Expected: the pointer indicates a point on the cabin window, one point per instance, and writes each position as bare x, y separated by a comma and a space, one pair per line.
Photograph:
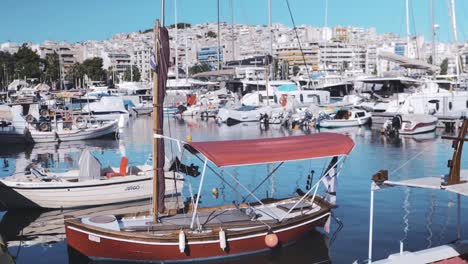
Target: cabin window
437, 106
360, 114
467, 104
450, 106
302, 98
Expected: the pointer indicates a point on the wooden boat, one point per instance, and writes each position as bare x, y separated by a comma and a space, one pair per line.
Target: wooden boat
215, 232
454, 182
345, 118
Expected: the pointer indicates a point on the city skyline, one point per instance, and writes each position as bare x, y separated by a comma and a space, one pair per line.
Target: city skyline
37, 21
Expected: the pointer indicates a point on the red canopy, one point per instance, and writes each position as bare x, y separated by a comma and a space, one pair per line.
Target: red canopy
268, 150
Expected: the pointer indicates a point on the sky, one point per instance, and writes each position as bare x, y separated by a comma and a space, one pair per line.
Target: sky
79, 20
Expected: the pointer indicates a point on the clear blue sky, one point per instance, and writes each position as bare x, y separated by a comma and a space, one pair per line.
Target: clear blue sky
77, 20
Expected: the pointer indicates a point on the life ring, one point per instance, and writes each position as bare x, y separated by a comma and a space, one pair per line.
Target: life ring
283, 100
44, 112
44, 126
30, 119
81, 122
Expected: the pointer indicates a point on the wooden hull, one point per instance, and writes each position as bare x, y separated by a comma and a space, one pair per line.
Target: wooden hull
102, 245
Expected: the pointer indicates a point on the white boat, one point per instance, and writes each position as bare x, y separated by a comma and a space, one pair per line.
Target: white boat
108, 108
89, 186
61, 134
410, 124
345, 118
131, 88
143, 108
245, 113
12, 125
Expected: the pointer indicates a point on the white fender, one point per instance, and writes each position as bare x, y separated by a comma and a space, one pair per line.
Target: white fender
222, 239
181, 241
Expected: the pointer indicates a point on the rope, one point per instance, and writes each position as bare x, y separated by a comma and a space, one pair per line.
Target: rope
406, 162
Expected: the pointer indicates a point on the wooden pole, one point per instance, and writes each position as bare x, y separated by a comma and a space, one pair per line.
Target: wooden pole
155, 122
454, 164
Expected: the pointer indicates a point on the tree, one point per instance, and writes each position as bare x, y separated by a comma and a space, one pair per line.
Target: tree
76, 74
460, 62
197, 68
27, 63
211, 34
429, 60
444, 67
93, 68
295, 70
52, 68
7, 68
128, 74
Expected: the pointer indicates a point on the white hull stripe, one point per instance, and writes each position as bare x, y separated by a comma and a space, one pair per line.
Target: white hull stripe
195, 243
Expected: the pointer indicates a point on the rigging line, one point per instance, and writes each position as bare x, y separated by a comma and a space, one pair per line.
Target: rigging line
414, 30
298, 40
406, 162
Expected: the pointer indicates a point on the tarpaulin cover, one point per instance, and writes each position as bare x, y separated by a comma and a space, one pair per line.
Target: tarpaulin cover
90, 167
269, 150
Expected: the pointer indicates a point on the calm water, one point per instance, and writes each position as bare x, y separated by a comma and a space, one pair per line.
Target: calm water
421, 218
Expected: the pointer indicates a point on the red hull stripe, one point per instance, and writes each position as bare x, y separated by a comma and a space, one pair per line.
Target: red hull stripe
104, 247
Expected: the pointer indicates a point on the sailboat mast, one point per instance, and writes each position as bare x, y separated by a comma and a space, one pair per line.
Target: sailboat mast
219, 40
232, 30
455, 37
176, 41
408, 33
433, 28
155, 122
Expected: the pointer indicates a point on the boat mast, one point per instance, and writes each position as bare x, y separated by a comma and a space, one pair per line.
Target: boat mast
176, 42
325, 38
268, 69
156, 106
155, 122
433, 28
408, 33
455, 37
232, 30
219, 40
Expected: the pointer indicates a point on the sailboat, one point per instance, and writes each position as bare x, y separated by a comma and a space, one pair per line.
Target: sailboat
195, 233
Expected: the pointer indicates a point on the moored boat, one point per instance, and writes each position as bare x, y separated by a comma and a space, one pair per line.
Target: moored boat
345, 118
195, 233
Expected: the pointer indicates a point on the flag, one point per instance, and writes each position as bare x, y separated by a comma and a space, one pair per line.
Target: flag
153, 63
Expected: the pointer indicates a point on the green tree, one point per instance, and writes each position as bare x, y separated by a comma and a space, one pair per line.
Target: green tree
460, 62
211, 34
7, 68
93, 68
76, 74
27, 63
197, 68
52, 68
181, 25
375, 72
295, 70
444, 67
128, 74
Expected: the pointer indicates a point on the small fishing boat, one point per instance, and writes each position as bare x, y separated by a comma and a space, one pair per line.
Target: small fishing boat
91, 185
210, 233
48, 133
453, 182
246, 113
410, 124
344, 118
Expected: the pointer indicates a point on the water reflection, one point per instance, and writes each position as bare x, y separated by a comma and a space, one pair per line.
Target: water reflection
430, 217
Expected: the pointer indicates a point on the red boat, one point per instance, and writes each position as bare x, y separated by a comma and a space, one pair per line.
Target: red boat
193, 233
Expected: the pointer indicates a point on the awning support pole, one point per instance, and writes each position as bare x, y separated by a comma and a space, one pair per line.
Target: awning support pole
316, 185
194, 214
371, 221
458, 217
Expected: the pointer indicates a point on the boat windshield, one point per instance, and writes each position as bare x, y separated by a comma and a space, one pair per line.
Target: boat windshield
247, 108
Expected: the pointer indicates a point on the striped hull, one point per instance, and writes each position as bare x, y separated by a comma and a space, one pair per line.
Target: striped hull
103, 245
